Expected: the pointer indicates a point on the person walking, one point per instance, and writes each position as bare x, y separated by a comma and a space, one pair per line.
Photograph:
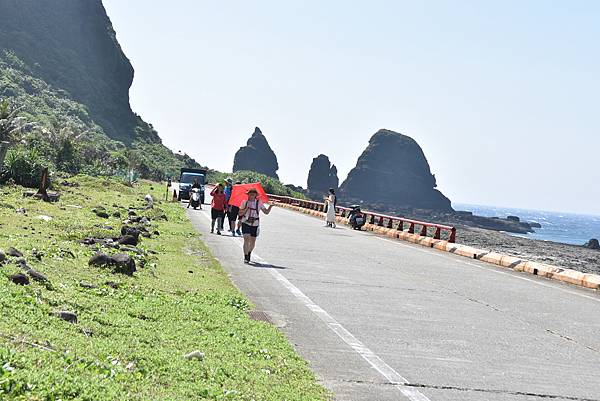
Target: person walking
331, 202
250, 218
232, 211
218, 207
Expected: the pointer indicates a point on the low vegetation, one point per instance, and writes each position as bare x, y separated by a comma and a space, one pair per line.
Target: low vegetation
131, 332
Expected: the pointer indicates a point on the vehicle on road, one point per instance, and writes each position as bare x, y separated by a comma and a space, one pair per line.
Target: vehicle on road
195, 198
357, 218
186, 180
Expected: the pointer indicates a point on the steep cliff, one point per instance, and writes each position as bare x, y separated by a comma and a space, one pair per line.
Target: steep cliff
322, 175
256, 156
393, 170
71, 45
62, 68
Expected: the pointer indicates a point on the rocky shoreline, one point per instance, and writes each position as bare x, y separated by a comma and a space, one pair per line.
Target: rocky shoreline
558, 254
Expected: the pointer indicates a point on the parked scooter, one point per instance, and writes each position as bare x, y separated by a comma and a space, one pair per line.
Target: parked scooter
195, 197
357, 218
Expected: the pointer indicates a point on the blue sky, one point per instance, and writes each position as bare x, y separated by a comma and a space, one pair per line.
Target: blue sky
502, 96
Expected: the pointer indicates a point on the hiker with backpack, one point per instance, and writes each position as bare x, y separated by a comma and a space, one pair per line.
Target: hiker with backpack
250, 218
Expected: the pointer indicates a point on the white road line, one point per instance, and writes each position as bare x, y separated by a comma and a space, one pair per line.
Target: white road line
375, 361
492, 268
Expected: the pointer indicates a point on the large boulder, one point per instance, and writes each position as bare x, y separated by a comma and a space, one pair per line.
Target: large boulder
394, 171
257, 156
322, 175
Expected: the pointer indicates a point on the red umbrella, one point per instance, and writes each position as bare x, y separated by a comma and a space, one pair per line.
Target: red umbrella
239, 193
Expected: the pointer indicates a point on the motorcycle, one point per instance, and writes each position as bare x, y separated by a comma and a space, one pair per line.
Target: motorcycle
195, 198
357, 218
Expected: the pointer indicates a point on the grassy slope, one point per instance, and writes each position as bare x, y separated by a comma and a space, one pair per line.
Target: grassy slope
142, 329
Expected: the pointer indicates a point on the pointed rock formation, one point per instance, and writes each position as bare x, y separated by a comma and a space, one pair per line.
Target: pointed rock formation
322, 176
394, 171
257, 156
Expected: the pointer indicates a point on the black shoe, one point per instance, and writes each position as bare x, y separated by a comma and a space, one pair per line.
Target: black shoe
218, 232
247, 258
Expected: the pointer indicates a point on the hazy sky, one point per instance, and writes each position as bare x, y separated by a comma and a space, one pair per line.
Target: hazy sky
503, 96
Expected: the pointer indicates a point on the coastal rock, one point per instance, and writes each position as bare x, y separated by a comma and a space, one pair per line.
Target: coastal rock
322, 175
592, 244
256, 156
513, 218
394, 171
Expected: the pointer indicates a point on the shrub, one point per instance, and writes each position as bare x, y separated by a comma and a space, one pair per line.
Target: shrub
24, 166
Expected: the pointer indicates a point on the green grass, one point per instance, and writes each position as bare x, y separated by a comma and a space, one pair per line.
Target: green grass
130, 341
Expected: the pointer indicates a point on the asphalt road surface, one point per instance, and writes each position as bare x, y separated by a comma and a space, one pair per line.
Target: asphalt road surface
379, 319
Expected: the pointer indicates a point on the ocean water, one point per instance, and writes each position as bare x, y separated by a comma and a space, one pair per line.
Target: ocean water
568, 228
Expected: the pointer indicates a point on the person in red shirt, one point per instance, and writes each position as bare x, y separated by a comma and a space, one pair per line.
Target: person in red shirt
218, 207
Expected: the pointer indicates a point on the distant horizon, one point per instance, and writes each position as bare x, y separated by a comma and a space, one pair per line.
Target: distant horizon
523, 209
500, 96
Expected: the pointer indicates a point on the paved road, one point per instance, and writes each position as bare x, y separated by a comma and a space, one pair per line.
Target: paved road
386, 320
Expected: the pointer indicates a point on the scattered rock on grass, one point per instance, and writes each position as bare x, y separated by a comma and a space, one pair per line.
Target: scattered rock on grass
87, 285
123, 264
128, 240
195, 355
2, 256
37, 254
100, 260
100, 212
67, 316
19, 279
21, 210
128, 230
15, 253
37, 276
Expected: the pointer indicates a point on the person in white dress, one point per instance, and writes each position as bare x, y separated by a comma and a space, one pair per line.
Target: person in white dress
331, 202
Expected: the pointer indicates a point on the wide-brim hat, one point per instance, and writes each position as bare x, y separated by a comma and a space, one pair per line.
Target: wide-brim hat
252, 190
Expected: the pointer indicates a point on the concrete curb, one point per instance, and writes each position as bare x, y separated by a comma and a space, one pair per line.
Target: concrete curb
570, 276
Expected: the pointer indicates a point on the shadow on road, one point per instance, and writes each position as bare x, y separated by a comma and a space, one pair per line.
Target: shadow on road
267, 266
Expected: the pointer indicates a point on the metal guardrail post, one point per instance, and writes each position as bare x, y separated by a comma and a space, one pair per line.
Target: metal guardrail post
438, 233
452, 238
411, 228
424, 230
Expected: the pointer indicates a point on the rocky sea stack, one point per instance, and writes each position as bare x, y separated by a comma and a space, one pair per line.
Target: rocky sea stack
256, 156
322, 176
394, 171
